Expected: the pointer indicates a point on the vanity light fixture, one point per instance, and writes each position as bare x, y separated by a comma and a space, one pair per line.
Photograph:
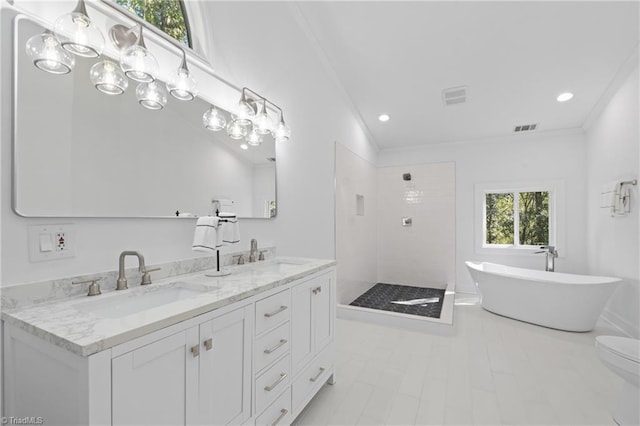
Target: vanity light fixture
263, 124
247, 109
384, 117
182, 85
137, 62
213, 119
48, 55
108, 78
254, 138
78, 34
564, 97
244, 146
235, 130
151, 95
254, 105
282, 132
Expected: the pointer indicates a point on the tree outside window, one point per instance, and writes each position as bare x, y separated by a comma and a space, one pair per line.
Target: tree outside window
166, 15
517, 218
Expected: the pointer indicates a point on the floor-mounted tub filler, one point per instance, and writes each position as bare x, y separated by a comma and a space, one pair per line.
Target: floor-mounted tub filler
551, 299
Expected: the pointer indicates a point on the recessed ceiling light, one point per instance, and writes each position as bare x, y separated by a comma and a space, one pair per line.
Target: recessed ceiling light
384, 117
564, 97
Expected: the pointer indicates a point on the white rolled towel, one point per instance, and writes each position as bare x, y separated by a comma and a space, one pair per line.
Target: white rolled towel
206, 234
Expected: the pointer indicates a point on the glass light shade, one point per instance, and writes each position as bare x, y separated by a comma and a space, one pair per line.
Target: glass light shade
108, 78
182, 85
244, 146
139, 64
78, 34
48, 55
263, 124
282, 132
151, 95
235, 130
254, 139
213, 119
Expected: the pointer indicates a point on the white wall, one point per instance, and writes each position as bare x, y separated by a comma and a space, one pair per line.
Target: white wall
245, 38
612, 154
356, 235
517, 158
423, 254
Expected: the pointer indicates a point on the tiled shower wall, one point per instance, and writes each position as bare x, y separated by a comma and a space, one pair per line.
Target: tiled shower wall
371, 243
423, 253
356, 218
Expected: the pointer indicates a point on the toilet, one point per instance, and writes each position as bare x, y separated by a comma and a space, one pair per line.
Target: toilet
622, 356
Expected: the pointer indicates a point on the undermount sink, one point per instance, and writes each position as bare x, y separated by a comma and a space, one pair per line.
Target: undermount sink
120, 305
279, 266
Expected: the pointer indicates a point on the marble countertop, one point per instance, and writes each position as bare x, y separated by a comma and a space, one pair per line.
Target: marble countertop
87, 325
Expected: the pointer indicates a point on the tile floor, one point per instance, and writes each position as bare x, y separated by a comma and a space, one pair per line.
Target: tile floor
492, 371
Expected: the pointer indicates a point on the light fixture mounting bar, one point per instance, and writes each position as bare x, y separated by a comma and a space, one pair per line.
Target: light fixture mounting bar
257, 97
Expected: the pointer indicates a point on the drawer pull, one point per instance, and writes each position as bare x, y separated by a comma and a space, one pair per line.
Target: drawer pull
277, 382
195, 350
313, 379
283, 413
276, 312
269, 351
208, 344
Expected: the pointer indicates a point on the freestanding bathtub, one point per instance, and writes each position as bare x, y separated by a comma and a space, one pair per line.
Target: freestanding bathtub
551, 299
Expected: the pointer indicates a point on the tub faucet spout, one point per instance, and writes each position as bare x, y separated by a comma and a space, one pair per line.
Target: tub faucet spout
551, 253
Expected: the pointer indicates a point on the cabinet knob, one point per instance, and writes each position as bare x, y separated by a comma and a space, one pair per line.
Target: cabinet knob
317, 290
208, 344
195, 350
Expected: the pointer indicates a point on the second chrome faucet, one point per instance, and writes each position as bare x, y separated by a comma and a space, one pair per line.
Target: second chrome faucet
121, 282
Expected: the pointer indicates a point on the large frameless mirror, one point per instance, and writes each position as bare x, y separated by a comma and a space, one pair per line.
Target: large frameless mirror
81, 153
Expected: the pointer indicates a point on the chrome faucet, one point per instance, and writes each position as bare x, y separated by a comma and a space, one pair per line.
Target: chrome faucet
551, 257
253, 254
121, 283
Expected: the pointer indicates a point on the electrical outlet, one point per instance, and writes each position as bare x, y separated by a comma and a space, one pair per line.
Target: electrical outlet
51, 242
61, 241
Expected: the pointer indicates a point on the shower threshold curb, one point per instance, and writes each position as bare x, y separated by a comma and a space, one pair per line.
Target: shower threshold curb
440, 326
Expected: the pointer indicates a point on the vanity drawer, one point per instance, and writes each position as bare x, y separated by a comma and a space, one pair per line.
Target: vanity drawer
272, 311
272, 382
312, 377
279, 413
271, 346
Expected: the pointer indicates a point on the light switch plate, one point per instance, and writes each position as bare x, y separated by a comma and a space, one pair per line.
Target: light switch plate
44, 242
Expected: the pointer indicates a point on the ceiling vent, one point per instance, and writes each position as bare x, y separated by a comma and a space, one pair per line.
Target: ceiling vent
455, 95
523, 128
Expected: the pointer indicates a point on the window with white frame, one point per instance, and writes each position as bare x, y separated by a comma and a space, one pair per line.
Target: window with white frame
516, 216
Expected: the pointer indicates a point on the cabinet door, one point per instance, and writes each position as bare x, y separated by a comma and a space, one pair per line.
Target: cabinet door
225, 368
155, 384
301, 326
322, 311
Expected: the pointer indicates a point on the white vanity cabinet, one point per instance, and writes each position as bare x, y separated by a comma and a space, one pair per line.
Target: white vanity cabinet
255, 361
312, 333
195, 377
